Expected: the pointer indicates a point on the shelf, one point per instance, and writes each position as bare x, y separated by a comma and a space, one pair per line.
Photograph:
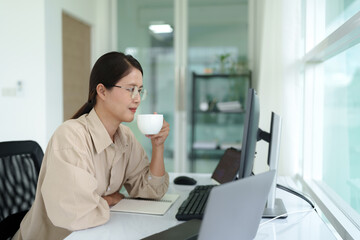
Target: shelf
207, 154
213, 146
219, 112
224, 75
209, 149
218, 102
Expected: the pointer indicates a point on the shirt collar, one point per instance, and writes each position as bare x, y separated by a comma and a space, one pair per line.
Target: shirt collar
99, 135
120, 138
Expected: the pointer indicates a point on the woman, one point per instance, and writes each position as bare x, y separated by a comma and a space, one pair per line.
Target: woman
90, 157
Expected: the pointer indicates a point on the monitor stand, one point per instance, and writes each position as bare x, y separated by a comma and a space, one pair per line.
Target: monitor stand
274, 206
278, 210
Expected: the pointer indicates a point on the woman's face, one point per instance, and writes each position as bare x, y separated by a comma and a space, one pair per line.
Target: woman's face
119, 104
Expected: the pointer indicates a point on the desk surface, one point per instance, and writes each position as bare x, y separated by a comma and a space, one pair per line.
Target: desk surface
307, 225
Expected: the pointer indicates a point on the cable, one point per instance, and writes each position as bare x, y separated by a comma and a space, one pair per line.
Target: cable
297, 194
283, 215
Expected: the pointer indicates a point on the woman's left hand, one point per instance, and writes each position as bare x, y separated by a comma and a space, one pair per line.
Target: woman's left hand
159, 139
113, 198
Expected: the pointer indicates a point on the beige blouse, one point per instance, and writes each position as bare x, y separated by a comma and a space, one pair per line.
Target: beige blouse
80, 165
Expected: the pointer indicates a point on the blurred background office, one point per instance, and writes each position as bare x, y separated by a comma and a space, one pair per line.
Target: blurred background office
199, 57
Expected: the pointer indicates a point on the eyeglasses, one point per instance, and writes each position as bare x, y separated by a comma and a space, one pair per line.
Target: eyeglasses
134, 91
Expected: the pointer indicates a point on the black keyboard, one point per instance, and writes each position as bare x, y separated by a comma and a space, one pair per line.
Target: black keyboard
194, 206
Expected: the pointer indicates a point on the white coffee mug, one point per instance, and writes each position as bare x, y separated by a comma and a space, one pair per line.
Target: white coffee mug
150, 123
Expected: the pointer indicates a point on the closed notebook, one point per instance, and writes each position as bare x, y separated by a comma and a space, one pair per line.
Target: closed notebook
145, 206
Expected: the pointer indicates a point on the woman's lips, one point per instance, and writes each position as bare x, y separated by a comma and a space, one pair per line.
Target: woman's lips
133, 110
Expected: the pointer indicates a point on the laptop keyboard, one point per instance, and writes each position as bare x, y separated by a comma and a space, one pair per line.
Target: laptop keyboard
194, 206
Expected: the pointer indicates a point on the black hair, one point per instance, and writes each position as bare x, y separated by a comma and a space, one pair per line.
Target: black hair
108, 70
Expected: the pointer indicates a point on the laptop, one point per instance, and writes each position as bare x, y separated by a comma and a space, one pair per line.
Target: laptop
233, 211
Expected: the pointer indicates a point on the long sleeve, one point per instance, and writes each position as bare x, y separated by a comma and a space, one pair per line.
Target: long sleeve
69, 193
82, 164
139, 180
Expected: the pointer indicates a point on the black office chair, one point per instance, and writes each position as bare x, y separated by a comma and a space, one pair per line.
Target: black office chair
20, 163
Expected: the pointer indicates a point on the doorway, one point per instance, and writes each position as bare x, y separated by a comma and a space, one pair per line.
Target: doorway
76, 63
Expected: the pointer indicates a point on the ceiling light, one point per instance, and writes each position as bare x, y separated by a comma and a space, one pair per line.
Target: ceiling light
160, 28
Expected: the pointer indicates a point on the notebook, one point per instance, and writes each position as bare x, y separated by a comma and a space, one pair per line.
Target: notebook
233, 211
145, 206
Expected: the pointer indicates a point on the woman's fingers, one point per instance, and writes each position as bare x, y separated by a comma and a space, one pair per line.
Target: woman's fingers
160, 138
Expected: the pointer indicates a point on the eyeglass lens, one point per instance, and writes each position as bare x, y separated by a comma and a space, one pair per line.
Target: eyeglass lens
136, 92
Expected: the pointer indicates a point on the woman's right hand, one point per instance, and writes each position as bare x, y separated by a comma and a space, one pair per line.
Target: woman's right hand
113, 198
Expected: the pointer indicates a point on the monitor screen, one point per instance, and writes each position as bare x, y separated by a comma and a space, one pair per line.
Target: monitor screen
251, 125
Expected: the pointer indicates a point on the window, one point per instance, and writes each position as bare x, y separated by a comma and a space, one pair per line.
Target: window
332, 79
341, 125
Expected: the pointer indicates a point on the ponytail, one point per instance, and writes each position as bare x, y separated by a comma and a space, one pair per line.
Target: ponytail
86, 108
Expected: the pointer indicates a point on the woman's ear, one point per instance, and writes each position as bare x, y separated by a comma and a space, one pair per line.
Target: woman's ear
101, 91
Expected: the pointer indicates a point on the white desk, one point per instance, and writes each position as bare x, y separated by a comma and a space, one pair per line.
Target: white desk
136, 226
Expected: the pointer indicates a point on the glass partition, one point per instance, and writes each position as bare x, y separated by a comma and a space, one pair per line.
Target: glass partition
145, 30
218, 53
217, 43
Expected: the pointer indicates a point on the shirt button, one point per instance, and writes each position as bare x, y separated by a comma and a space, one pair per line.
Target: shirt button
108, 189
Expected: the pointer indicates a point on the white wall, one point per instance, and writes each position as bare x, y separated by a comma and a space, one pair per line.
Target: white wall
31, 52
22, 58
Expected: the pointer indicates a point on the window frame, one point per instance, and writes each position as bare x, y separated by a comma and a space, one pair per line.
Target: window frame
343, 218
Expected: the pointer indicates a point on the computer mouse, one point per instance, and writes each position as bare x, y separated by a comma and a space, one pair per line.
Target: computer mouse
184, 180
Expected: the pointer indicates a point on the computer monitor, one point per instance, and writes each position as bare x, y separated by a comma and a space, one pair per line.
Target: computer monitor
251, 125
251, 135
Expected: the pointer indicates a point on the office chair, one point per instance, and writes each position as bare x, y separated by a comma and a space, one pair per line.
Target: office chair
20, 163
